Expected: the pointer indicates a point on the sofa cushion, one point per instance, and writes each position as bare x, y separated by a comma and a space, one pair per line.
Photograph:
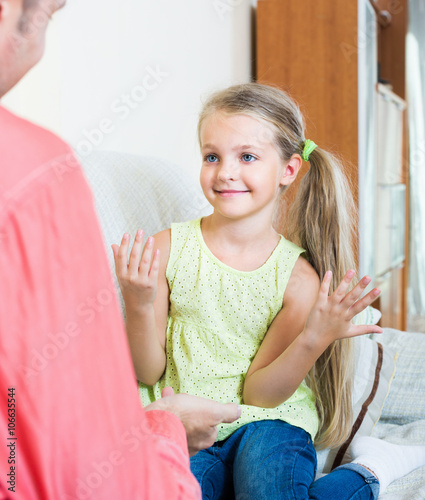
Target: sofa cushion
406, 401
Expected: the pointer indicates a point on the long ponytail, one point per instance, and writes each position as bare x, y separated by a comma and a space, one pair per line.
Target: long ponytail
321, 220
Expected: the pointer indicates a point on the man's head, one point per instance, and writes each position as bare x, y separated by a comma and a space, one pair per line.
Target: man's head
23, 25
30, 3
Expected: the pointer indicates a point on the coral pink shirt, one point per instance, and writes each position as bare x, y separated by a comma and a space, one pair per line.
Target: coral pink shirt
71, 423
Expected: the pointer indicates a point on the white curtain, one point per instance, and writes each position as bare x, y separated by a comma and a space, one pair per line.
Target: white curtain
416, 116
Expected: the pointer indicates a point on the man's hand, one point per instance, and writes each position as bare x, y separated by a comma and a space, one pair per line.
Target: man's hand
199, 416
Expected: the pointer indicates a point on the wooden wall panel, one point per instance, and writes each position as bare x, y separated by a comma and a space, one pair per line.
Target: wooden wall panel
392, 43
309, 48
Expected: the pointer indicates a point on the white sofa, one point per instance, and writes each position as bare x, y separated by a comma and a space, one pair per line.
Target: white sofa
134, 192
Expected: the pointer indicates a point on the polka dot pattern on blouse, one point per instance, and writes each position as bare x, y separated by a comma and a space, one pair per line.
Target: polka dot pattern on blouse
217, 319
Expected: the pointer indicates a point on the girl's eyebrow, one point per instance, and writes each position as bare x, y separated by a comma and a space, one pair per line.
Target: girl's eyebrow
248, 146
207, 146
236, 148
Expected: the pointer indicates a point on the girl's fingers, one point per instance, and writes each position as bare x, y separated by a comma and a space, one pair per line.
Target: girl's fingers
324, 287
153, 273
143, 262
365, 301
134, 260
365, 330
357, 291
146, 262
342, 288
120, 255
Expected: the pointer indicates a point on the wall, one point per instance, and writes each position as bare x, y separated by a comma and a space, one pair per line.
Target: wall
132, 78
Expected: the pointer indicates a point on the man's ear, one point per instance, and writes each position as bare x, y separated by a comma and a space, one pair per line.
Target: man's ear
4, 9
290, 170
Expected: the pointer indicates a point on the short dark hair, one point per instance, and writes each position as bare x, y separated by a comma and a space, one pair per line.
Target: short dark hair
26, 6
29, 3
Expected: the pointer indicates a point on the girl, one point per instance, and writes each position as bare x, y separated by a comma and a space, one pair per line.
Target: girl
233, 311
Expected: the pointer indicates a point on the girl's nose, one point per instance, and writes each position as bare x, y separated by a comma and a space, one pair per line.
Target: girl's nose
228, 171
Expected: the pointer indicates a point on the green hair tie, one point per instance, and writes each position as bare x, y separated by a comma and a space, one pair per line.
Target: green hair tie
309, 147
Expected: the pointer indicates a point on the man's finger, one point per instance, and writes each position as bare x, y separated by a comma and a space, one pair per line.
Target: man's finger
230, 413
167, 391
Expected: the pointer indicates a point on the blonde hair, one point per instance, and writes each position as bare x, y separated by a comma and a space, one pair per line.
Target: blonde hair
321, 220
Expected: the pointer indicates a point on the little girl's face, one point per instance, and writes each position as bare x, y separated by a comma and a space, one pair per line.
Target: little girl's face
242, 170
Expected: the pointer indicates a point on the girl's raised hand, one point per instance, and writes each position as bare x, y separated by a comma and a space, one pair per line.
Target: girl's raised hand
331, 316
138, 274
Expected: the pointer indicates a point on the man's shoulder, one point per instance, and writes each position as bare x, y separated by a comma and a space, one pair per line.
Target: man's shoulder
28, 150
15, 128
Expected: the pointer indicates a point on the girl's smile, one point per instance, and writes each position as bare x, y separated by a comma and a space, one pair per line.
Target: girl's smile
229, 193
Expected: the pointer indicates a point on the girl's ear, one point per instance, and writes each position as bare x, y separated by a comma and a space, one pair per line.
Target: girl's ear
290, 170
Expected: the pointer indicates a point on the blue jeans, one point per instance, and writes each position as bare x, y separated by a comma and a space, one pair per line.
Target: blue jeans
270, 460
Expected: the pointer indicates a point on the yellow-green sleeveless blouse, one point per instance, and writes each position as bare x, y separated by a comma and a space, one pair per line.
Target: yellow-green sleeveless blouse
217, 319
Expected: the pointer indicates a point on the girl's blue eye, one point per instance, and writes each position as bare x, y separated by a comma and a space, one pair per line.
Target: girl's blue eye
248, 158
211, 158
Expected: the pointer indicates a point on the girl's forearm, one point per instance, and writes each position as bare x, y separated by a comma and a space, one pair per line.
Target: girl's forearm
273, 384
147, 353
